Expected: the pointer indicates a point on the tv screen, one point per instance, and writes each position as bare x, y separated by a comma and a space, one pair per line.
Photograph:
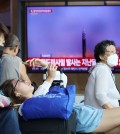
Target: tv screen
67, 35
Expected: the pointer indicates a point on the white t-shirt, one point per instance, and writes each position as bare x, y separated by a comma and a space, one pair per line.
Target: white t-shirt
101, 88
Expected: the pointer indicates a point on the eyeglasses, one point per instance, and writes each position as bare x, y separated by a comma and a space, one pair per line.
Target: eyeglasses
26, 82
15, 85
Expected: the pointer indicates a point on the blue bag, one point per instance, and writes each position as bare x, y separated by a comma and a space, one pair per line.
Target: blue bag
57, 103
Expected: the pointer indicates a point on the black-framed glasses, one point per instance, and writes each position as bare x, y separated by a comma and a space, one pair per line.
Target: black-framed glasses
15, 85
26, 82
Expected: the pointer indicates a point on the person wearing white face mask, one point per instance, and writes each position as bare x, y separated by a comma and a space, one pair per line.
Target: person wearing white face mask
112, 60
100, 90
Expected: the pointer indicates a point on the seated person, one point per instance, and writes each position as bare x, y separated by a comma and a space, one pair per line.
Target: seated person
3, 33
8, 116
5, 101
88, 119
101, 91
42, 89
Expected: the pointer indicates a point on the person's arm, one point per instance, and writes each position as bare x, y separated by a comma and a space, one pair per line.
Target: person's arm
107, 105
23, 73
37, 62
44, 88
101, 88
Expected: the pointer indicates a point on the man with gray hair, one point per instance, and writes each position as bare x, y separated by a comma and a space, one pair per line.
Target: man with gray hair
11, 65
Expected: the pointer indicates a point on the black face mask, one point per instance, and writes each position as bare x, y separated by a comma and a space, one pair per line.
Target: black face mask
1, 51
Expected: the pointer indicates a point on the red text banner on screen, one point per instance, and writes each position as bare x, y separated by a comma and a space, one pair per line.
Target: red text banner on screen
73, 62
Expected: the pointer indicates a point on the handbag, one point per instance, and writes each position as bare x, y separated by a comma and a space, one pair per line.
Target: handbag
57, 103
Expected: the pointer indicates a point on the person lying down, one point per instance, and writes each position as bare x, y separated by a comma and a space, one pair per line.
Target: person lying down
5, 101
88, 119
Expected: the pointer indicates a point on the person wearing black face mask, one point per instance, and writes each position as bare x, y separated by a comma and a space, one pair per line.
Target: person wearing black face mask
3, 35
8, 116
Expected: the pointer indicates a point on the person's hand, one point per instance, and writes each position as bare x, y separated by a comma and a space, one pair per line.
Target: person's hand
35, 62
51, 70
107, 106
1, 105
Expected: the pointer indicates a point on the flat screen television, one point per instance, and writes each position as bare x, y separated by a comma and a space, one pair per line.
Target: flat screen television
66, 35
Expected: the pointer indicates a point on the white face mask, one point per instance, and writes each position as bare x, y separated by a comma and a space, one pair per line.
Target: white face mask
112, 60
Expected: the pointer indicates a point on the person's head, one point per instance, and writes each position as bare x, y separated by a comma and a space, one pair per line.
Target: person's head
105, 51
11, 45
17, 90
3, 33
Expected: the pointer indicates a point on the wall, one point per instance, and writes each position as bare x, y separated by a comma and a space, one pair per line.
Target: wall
5, 17
5, 12
79, 79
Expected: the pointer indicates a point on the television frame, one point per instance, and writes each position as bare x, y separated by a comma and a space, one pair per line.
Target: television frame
23, 38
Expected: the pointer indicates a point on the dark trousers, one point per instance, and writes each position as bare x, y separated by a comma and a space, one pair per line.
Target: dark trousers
9, 121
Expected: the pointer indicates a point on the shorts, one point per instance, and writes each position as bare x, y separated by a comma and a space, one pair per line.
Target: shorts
87, 118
